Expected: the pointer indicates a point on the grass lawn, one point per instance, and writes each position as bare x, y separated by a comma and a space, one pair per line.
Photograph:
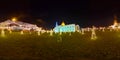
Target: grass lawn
76, 46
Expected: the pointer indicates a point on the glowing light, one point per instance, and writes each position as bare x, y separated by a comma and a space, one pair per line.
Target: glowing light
112, 26
10, 31
115, 21
48, 31
88, 29
38, 31
42, 31
56, 24
82, 31
103, 29
60, 33
63, 24
2, 33
93, 35
79, 31
14, 19
51, 33
21, 33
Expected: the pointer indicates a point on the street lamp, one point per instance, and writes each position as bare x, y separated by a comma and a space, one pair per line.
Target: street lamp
14, 19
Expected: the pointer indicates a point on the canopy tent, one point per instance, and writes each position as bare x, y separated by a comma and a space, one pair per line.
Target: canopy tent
17, 25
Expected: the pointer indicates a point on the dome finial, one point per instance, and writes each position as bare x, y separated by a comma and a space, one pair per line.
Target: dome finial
63, 24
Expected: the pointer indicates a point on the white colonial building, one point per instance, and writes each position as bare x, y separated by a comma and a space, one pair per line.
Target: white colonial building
66, 28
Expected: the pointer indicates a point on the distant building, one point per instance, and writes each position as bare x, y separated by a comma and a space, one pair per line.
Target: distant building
17, 25
66, 28
115, 24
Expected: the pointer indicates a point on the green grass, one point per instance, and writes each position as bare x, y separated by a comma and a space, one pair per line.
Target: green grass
65, 47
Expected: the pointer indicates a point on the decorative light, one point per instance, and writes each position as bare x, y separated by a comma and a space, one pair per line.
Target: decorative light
79, 31
14, 19
2, 33
93, 35
10, 31
82, 31
51, 32
103, 29
38, 31
42, 31
21, 32
115, 23
88, 29
60, 33
63, 24
47, 31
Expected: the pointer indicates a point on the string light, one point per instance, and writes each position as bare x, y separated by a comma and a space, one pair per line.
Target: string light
51, 32
82, 31
22, 32
93, 35
2, 33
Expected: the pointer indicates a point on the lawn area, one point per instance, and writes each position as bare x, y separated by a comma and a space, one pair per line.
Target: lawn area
76, 46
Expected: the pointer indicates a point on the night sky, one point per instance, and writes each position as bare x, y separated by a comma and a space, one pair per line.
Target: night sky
45, 13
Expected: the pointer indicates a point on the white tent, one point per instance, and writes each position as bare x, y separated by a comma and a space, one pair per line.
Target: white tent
17, 25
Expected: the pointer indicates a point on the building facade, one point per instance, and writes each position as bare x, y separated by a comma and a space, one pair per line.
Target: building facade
115, 24
66, 28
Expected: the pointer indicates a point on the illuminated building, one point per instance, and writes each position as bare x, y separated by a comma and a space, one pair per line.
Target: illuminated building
115, 24
17, 25
66, 28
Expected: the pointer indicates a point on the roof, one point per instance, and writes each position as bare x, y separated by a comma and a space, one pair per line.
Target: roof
7, 22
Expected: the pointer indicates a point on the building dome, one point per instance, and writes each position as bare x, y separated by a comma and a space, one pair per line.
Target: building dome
63, 24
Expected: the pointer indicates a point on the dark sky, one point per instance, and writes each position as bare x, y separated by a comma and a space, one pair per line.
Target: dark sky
45, 13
